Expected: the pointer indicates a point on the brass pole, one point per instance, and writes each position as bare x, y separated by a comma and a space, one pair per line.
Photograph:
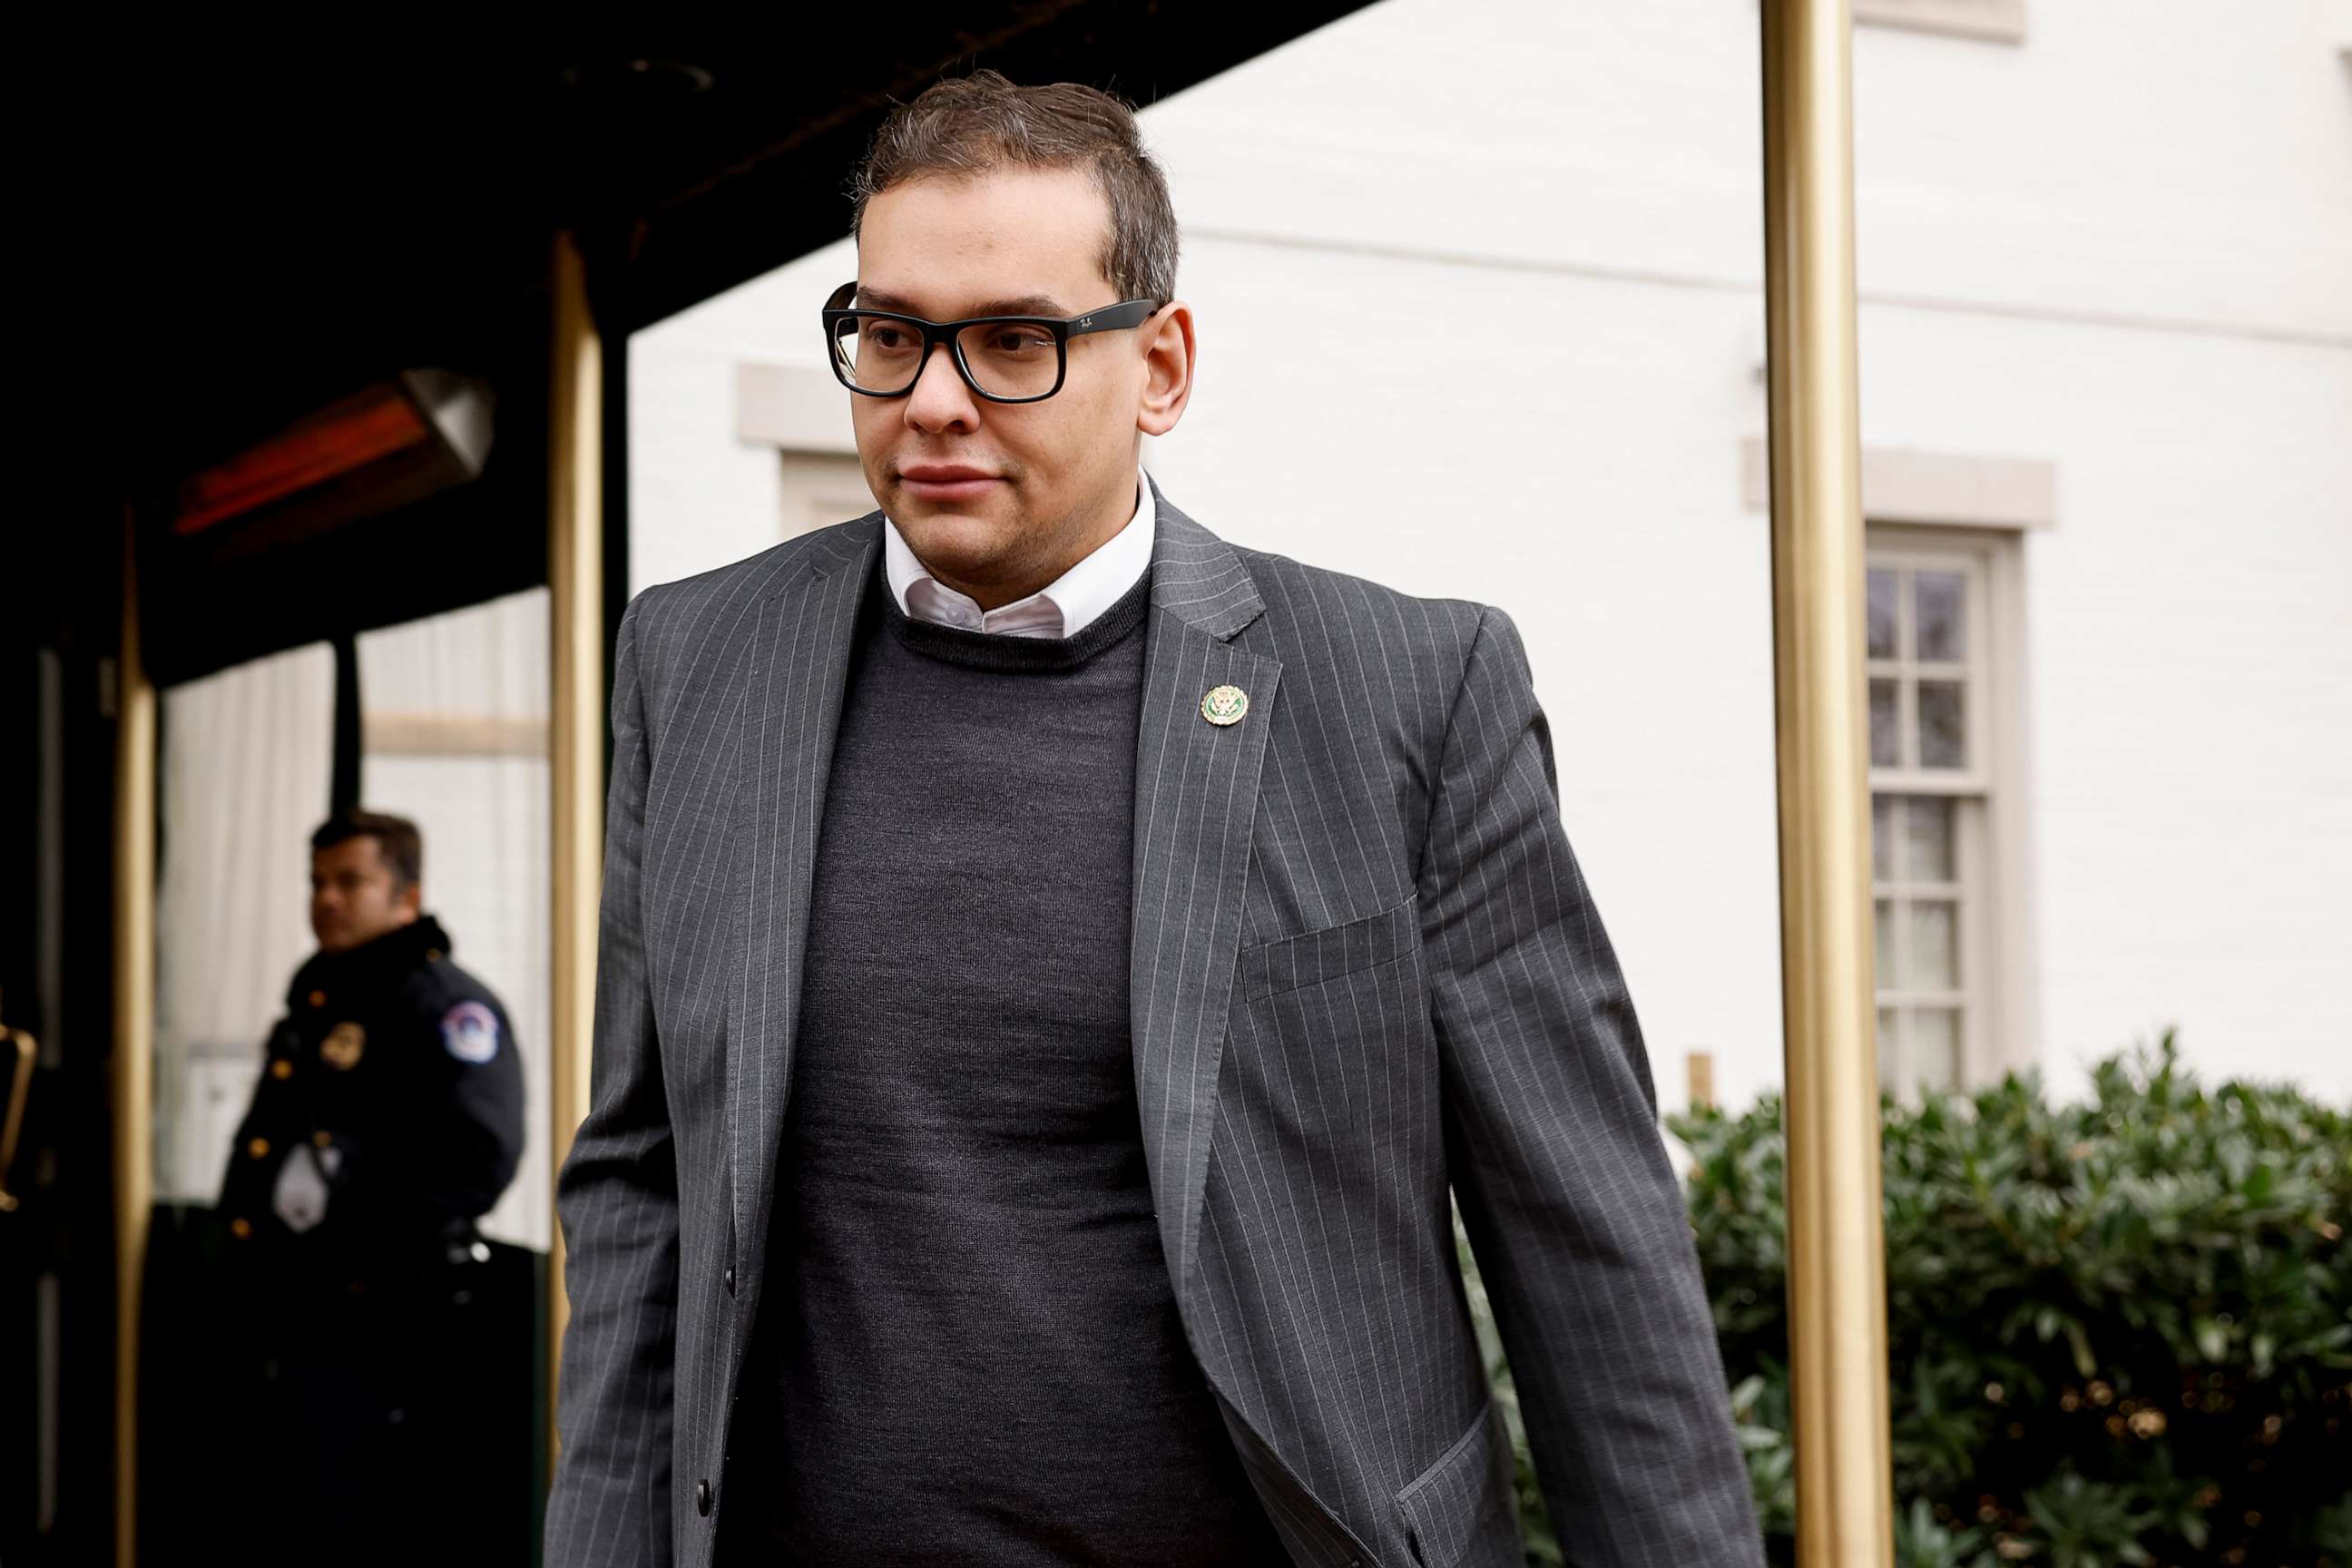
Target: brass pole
132, 1079
1837, 1276
575, 560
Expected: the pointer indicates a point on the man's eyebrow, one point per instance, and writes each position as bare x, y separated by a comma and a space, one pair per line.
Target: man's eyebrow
1024, 305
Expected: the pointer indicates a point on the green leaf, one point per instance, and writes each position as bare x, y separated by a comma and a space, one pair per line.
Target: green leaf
2258, 1182
2084, 1361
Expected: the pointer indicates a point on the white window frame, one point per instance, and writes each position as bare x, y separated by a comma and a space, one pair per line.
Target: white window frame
1972, 671
1991, 847
1986, 506
1970, 788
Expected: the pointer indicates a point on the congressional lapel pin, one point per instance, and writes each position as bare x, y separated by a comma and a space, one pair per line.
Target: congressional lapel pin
1225, 705
342, 1046
470, 1031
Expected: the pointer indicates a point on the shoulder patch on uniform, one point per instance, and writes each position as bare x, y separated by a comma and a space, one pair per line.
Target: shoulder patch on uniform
470, 1031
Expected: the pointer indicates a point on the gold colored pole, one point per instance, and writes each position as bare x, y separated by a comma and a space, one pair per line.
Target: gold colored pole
575, 577
133, 1074
1837, 1275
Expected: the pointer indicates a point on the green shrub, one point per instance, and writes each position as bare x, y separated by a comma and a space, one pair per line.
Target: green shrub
2120, 1330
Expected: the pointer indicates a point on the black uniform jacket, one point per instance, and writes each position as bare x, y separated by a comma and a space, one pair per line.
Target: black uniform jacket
393, 1078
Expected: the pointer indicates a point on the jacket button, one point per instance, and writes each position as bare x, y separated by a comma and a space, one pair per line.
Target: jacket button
702, 1498
728, 1280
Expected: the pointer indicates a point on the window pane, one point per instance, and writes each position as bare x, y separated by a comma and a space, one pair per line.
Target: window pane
1881, 615
1943, 740
1882, 836
1935, 1048
1928, 823
1934, 960
1885, 742
1940, 598
1886, 967
455, 735
1886, 1048
244, 765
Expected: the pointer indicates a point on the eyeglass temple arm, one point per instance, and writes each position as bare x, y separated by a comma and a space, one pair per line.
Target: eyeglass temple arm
1112, 318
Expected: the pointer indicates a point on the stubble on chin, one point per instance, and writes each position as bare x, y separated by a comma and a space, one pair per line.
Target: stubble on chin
972, 555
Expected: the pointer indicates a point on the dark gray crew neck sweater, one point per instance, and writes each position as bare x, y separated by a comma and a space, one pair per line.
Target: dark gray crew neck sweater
979, 1358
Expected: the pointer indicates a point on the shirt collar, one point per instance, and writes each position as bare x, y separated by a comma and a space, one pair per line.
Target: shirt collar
380, 958
1062, 608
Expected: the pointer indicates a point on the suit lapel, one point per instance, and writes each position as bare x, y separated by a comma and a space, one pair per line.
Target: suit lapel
1196, 787
1196, 792
790, 714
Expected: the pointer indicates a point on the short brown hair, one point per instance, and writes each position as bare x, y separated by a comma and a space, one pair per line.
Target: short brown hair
967, 126
397, 841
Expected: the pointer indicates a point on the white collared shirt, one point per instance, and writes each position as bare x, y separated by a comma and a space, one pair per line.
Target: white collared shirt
1062, 608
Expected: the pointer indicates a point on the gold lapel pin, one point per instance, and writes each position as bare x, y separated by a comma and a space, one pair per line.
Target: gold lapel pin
342, 1046
1225, 705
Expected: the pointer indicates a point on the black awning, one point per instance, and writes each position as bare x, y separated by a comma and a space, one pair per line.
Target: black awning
264, 207
244, 215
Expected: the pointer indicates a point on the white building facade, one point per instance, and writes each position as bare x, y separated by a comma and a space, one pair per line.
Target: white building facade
1480, 299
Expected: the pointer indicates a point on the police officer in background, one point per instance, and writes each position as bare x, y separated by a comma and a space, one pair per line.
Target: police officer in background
388, 1118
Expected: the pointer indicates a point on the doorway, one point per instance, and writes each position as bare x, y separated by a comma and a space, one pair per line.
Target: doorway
442, 722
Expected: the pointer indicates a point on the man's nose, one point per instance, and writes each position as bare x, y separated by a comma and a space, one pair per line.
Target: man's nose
941, 400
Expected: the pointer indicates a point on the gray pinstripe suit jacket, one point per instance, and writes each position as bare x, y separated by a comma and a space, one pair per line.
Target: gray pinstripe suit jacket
1365, 967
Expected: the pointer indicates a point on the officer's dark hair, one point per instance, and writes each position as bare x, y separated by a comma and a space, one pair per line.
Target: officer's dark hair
397, 841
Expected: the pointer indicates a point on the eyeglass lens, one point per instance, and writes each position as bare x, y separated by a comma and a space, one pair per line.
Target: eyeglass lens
1007, 358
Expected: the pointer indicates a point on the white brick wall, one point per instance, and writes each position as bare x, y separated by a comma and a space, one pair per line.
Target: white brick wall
1479, 300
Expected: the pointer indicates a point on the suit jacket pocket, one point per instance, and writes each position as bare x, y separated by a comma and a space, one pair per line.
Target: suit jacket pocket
1467, 1493
1294, 962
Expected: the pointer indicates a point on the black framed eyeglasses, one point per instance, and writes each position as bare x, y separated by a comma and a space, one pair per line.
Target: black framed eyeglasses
1004, 359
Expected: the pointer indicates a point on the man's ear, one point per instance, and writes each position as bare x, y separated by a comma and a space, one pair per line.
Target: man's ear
1168, 354
410, 899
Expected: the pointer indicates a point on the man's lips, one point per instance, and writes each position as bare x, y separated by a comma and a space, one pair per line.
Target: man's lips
946, 481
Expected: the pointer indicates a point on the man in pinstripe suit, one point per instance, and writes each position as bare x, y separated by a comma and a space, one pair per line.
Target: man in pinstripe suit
1055, 964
